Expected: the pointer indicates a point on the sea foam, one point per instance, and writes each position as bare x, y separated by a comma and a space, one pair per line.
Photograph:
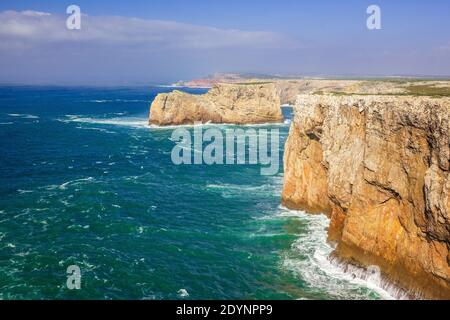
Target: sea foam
311, 259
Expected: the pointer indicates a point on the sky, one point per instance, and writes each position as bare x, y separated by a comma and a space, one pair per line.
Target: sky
149, 42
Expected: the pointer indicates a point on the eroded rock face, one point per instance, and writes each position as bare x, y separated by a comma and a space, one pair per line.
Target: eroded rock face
224, 103
379, 167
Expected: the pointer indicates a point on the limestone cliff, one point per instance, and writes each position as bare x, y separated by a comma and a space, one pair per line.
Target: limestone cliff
379, 167
224, 103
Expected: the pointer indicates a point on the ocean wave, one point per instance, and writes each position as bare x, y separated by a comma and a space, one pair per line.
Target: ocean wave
134, 122
182, 293
97, 129
140, 122
236, 190
120, 121
21, 191
236, 187
117, 100
24, 116
64, 185
310, 259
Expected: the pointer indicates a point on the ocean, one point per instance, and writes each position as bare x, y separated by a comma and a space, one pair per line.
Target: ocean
85, 181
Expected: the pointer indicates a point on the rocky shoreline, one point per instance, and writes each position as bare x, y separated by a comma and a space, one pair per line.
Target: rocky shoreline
378, 166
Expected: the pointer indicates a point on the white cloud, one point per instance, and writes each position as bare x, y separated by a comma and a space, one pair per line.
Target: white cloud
32, 13
33, 28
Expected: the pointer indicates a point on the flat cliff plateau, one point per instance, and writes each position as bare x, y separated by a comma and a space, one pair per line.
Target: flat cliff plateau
224, 103
378, 166
289, 88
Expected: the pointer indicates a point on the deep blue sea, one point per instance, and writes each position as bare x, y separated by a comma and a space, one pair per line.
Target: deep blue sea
84, 181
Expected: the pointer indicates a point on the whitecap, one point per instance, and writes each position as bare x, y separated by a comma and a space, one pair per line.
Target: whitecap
96, 129
310, 259
116, 100
75, 182
120, 121
229, 190
24, 191
208, 125
22, 254
25, 116
182, 293
235, 187
139, 122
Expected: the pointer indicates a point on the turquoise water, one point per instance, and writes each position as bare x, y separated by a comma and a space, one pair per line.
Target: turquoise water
84, 181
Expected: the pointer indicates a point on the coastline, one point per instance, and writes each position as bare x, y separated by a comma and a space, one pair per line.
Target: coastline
336, 162
119, 167
306, 189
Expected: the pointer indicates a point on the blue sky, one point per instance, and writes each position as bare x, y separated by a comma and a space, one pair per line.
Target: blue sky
139, 42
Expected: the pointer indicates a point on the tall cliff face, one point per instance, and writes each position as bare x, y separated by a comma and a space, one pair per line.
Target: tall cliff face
224, 103
379, 167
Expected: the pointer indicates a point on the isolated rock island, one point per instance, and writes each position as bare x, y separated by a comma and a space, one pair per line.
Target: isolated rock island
224, 103
378, 166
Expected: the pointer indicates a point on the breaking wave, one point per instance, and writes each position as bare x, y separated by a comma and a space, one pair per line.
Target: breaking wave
310, 258
119, 121
24, 116
117, 100
140, 122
